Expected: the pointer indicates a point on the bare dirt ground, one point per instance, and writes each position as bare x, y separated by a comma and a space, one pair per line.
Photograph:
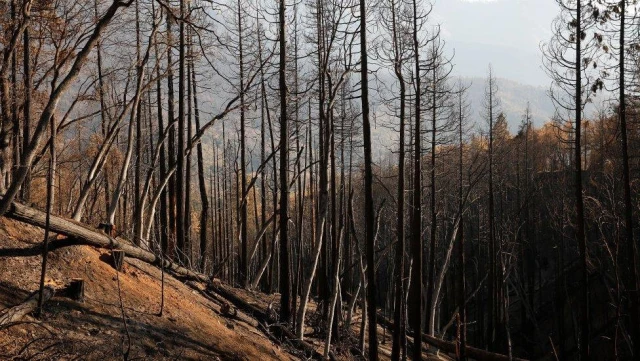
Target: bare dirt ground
190, 328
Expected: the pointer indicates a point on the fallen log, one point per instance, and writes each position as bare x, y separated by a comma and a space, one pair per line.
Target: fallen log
18, 312
219, 302
450, 347
83, 234
307, 348
267, 319
228, 294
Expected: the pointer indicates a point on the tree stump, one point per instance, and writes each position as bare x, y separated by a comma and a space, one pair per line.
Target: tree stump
76, 290
107, 228
227, 310
117, 257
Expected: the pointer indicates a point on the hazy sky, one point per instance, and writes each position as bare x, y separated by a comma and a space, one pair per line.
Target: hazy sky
506, 33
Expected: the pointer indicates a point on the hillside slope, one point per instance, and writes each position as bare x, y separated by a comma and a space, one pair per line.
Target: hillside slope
191, 327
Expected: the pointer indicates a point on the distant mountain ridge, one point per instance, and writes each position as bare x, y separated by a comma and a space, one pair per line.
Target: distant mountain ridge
514, 97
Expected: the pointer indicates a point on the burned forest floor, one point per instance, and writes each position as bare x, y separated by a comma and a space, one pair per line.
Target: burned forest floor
121, 316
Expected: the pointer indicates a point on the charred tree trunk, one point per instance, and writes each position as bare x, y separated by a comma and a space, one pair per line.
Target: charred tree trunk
171, 192
204, 199
183, 254
580, 217
631, 248
415, 291
244, 263
285, 285
50, 190
398, 318
26, 122
369, 211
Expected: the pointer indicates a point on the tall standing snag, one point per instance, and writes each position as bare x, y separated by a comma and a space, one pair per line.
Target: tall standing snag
50, 189
398, 45
369, 212
569, 60
632, 278
183, 253
414, 303
244, 263
285, 284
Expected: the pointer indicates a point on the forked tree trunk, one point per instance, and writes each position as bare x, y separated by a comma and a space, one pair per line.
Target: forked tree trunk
117, 192
306, 290
261, 269
334, 298
443, 272
352, 305
364, 313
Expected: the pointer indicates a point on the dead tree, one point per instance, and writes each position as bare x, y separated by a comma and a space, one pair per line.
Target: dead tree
285, 281
414, 303
572, 86
369, 211
50, 190
51, 105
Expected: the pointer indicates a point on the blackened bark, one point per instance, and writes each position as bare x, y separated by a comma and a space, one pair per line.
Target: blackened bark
244, 263
369, 211
398, 318
285, 286
632, 278
415, 291
580, 218
181, 245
